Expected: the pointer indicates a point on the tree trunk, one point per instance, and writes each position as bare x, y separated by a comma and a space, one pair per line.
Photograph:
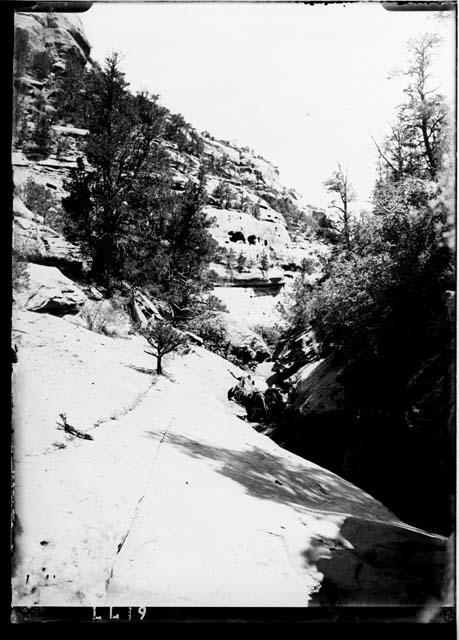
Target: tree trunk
428, 147
159, 369
347, 237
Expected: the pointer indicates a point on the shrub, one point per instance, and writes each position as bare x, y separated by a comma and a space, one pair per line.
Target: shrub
307, 266
41, 138
42, 64
256, 211
107, 317
20, 276
42, 201
27, 248
395, 277
241, 262
214, 334
63, 146
264, 262
270, 334
21, 131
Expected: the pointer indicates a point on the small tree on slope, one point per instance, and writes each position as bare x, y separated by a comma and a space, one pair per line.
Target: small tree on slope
164, 339
338, 185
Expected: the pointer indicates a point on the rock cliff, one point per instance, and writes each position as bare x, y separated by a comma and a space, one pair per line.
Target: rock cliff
254, 214
57, 34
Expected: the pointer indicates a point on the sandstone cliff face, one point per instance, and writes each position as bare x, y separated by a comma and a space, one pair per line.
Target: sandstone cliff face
39, 243
58, 35
240, 193
243, 188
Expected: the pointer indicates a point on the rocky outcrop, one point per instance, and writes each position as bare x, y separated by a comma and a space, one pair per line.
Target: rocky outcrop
59, 35
39, 243
292, 355
21, 211
318, 390
353, 414
45, 43
49, 291
241, 189
51, 173
261, 403
252, 236
245, 197
245, 344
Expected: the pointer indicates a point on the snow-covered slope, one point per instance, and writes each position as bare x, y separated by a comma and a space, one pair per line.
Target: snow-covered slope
176, 500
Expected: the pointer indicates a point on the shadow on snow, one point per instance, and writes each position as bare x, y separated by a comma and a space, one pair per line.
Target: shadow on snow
387, 565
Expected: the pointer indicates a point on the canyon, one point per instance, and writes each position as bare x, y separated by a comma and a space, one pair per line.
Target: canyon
180, 497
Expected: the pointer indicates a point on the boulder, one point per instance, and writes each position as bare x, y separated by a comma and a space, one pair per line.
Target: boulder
249, 392
244, 343
293, 354
49, 291
262, 404
318, 390
40, 244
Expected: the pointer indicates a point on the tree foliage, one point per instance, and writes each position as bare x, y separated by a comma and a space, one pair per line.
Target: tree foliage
264, 262
110, 197
164, 339
395, 279
338, 185
42, 201
417, 139
122, 207
241, 262
383, 315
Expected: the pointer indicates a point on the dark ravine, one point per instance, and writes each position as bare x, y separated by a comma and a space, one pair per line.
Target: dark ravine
395, 443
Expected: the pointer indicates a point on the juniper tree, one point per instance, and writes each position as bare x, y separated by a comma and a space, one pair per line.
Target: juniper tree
110, 202
164, 339
191, 247
264, 263
241, 262
417, 138
339, 185
229, 260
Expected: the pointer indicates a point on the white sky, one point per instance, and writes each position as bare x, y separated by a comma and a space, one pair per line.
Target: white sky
304, 86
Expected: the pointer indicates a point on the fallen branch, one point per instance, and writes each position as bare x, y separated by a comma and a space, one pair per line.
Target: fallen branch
69, 429
236, 377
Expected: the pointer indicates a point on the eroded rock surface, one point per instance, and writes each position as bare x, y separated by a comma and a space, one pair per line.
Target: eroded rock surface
59, 35
41, 244
49, 291
182, 503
